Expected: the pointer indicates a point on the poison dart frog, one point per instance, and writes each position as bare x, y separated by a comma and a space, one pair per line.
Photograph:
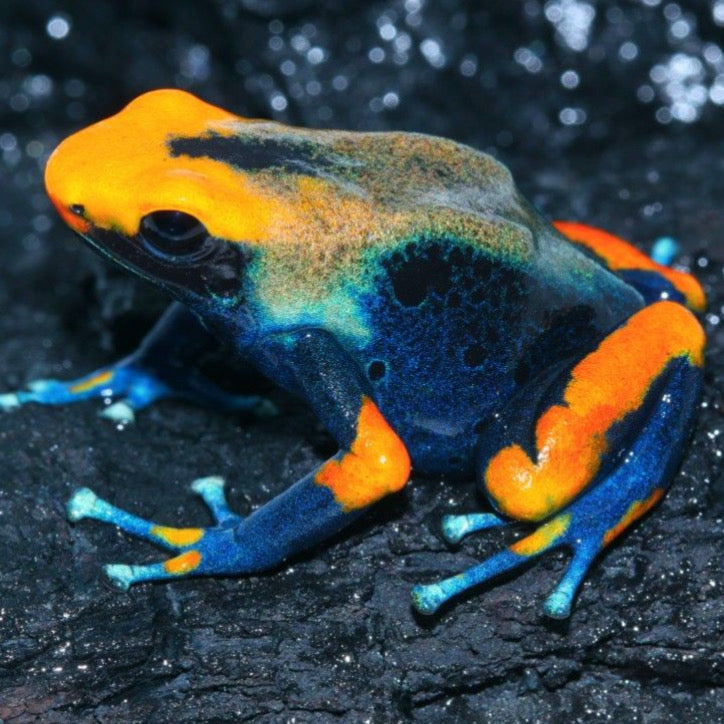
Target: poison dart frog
426, 312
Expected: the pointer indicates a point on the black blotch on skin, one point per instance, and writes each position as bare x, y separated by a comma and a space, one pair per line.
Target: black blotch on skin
419, 270
252, 154
451, 272
376, 370
474, 355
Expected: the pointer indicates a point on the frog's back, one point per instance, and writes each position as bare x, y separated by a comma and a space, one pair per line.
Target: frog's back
450, 290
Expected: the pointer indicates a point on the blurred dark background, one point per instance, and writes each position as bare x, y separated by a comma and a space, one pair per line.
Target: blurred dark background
608, 112
535, 77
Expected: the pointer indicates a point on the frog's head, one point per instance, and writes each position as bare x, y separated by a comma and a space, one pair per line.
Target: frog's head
135, 187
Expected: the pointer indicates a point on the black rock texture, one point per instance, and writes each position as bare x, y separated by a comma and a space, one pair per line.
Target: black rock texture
606, 112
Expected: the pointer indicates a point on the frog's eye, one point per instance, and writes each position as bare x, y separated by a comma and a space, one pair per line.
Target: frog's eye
173, 233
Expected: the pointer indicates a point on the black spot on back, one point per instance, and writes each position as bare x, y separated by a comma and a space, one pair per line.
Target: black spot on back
376, 370
474, 355
419, 270
252, 154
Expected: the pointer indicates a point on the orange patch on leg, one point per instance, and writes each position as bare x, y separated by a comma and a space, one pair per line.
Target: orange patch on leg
605, 386
543, 538
376, 464
177, 536
90, 383
185, 563
635, 511
619, 255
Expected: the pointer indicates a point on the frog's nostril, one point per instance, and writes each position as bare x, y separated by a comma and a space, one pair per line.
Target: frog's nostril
77, 209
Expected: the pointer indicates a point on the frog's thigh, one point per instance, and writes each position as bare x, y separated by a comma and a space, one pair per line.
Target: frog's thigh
653, 281
604, 408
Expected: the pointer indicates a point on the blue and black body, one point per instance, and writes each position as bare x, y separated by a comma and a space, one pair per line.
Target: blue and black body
428, 315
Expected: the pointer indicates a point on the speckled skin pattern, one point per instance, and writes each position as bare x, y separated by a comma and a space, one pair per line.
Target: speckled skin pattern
429, 316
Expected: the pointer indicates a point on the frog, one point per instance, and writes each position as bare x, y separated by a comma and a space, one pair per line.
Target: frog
431, 318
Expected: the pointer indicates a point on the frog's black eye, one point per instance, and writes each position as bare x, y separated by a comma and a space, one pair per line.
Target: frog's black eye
173, 233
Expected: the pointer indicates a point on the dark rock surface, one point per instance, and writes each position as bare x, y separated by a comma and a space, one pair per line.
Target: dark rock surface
608, 113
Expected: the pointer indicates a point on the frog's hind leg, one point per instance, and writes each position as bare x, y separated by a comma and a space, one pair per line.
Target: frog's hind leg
652, 280
165, 365
600, 457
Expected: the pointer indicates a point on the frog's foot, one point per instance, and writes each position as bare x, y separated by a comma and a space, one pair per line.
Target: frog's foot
427, 599
121, 379
456, 527
135, 386
199, 550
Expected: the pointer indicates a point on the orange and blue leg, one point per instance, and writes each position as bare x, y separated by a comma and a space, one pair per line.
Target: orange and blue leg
598, 458
163, 366
654, 280
372, 463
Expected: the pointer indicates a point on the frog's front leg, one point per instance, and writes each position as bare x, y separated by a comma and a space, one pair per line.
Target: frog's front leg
164, 365
599, 457
372, 463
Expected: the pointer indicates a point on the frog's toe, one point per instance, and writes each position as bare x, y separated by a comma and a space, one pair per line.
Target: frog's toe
211, 491
81, 505
122, 576
456, 527
125, 575
9, 401
123, 412
206, 392
265, 409
665, 250
48, 392
43, 387
427, 599
560, 601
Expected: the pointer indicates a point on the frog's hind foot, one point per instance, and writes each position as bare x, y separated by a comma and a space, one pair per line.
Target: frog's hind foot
553, 534
200, 550
602, 511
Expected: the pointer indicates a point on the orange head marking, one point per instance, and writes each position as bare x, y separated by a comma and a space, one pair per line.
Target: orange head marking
113, 173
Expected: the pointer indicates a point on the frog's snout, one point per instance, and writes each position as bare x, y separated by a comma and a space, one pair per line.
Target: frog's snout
72, 214
59, 186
